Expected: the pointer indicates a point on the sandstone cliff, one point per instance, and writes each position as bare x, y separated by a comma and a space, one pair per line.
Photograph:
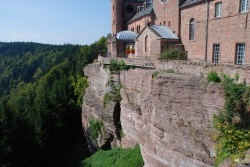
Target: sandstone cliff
170, 116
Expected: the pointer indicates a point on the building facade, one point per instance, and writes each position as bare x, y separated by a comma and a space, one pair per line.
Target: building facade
209, 30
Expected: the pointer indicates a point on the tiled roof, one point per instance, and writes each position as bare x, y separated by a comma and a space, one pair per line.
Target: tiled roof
142, 13
189, 2
126, 35
164, 32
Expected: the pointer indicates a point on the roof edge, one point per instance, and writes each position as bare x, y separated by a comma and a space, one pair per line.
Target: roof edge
190, 4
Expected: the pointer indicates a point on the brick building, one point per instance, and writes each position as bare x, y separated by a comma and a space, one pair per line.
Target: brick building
209, 30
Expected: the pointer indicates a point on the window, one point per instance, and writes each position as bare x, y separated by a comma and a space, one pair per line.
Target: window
168, 23
146, 44
129, 8
244, 5
191, 29
218, 8
216, 54
139, 28
240, 53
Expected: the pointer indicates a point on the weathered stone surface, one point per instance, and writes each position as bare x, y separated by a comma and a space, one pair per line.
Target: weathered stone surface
176, 113
93, 106
169, 116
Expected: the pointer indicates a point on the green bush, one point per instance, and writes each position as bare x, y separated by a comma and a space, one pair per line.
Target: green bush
173, 54
116, 157
212, 76
118, 65
233, 122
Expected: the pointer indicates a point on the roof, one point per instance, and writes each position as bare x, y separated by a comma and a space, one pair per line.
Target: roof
126, 35
164, 32
142, 13
190, 2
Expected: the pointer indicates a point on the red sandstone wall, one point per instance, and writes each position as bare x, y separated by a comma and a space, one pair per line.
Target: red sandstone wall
140, 22
128, 15
231, 28
194, 47
117, 16
168, 11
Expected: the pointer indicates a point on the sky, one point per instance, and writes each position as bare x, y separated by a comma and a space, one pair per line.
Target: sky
54, 21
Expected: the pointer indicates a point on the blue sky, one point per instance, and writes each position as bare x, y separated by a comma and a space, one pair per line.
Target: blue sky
54, 21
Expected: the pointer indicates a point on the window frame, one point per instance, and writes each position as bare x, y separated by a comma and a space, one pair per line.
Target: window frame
191, 29
218, 13
240, 53
244, 6
216, 53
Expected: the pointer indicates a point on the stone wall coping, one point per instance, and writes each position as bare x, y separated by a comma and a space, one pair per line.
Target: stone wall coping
129, 61
152, 63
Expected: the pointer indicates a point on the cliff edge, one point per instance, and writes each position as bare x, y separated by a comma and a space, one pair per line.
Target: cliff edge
170, 115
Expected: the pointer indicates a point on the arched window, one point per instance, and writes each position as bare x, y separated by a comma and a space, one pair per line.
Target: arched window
169, 23
191, 29
164, 23
146, 43
139, 28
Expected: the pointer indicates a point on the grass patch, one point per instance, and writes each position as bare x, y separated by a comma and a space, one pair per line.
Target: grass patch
116, 157
155, 74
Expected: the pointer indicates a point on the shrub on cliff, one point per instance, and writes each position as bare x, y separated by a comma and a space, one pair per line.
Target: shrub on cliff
173, 54
118, 65
233, 122
117, 157
212, 76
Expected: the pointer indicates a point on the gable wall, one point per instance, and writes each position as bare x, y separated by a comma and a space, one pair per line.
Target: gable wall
154, 45
142, 22
127, 15
168, 11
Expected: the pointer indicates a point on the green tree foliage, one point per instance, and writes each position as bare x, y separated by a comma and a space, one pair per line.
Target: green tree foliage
79, 84
117, 157
40, 86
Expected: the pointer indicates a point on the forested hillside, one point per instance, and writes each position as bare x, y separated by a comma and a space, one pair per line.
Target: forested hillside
40, 89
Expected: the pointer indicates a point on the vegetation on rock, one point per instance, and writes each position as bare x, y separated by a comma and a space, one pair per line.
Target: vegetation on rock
233, 121
95, 128
212, 76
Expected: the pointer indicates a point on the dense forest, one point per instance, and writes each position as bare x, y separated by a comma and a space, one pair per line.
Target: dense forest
40, 106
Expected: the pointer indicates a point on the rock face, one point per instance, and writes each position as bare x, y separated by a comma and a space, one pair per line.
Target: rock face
169, 116
93, 107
